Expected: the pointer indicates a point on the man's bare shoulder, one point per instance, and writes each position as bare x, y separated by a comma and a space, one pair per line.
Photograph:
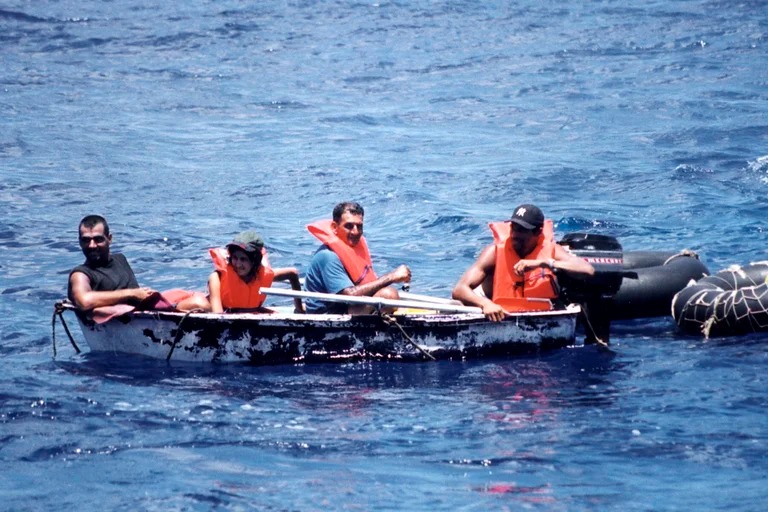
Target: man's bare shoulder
487, 257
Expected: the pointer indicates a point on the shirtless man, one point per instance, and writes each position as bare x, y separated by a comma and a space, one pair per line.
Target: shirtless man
529, 255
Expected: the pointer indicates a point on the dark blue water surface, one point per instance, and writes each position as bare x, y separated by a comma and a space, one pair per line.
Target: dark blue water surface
187, 122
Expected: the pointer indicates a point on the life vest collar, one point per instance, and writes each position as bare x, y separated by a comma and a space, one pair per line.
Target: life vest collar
356, 260
236, 293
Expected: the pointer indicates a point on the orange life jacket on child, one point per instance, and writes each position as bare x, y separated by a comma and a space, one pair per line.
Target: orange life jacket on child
236, 293
356, 260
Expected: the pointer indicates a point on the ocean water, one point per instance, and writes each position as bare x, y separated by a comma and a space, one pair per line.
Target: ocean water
187, 122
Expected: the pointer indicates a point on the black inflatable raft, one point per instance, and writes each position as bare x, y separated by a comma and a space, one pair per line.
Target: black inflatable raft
732, 302
628, 284
651, 280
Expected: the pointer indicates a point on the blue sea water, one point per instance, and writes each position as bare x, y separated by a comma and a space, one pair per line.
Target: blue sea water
187, 122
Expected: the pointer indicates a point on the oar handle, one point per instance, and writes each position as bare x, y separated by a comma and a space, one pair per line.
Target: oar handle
372, 301
428, 298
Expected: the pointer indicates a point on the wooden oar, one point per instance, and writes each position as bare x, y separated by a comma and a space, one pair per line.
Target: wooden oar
406, 295
371, 301
511, 305
428, 298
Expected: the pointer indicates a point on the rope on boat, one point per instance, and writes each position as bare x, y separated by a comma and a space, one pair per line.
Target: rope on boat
390, 320
58, 310
179, 332
685, 253
598, 341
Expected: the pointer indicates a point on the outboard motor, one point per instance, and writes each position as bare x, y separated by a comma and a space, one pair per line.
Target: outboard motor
605, 254
594, 293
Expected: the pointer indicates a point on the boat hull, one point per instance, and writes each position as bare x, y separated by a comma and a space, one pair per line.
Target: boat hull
281, 338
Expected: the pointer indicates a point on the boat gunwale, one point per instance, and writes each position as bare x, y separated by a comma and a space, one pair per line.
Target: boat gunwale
425, 317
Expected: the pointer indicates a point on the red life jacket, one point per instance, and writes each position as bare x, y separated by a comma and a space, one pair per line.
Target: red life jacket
535, 283
236, 293
356, 260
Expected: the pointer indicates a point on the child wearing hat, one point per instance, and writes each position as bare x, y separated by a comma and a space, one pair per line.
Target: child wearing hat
241, 269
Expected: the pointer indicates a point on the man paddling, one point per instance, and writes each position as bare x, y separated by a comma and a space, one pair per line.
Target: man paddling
520, 264
342, 265
106, 279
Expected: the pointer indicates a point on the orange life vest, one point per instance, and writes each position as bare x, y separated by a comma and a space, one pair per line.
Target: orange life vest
236, 293
536, 283
356, 260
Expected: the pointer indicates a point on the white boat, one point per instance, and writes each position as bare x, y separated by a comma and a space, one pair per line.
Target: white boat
433, 331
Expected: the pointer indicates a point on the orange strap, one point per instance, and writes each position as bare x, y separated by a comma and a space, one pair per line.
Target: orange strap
356, 260
538, 283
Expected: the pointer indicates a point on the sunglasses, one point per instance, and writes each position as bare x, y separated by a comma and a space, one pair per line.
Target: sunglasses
99, 239
520, 229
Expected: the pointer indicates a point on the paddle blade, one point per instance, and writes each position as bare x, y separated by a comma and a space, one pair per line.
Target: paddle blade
520, 304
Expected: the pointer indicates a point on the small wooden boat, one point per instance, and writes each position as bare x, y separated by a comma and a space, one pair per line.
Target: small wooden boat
431, 331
